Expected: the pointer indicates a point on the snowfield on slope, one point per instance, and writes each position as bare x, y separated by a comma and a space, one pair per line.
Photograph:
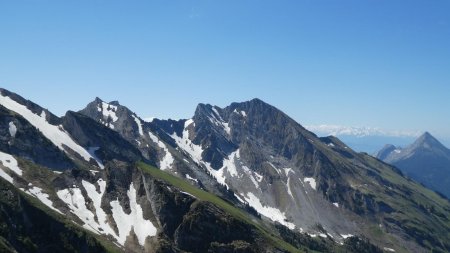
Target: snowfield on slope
126, 223
55, 134
167, 161
9, 162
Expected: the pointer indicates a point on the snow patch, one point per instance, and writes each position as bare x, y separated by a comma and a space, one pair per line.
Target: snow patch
11, 163
43, 197
229, 163
55, 134
76, 202
311, 181
272, 213
287, 171
239, 198
258, 177
347, 236
167, 161
77, 205
318, 234
12, 129
195, 152
389, 249
288, 183
139, 124
191, 178
5, 176
102, 226
217, 120
330, 144
109, 111
243, 113
133, 221
250, 175
336, 204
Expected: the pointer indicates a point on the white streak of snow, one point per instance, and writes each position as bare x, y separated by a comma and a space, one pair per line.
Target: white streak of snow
187, 193
250, 175
272, 213
288, 183
218, 121
12, 129
275, 168
139, 124
195, 151
167, 161
191, 178
77, 205
346, 236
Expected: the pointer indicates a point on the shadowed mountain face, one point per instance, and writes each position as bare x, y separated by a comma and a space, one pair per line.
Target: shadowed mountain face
244, 178
426, 160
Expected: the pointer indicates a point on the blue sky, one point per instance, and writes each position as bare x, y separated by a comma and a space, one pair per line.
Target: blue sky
370, 63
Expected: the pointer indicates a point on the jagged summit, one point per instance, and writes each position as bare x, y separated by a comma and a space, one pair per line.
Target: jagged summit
427, 141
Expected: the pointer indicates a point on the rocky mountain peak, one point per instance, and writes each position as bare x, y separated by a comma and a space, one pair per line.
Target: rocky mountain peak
427, 141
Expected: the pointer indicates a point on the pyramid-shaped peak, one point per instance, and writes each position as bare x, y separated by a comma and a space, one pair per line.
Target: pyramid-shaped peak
98, 100
426, 140
427, 137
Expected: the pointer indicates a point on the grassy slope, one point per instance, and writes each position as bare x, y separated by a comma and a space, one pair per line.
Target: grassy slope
205, 196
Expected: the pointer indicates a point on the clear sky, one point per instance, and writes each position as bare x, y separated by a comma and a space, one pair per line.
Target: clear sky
377, 63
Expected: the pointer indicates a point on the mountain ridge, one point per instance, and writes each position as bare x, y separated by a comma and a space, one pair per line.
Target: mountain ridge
250, 154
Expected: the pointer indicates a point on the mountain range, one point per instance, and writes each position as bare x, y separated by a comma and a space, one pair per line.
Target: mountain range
426, 160
244, 178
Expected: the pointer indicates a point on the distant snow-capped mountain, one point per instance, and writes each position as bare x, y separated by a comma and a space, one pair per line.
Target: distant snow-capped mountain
359, 131
365, 139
